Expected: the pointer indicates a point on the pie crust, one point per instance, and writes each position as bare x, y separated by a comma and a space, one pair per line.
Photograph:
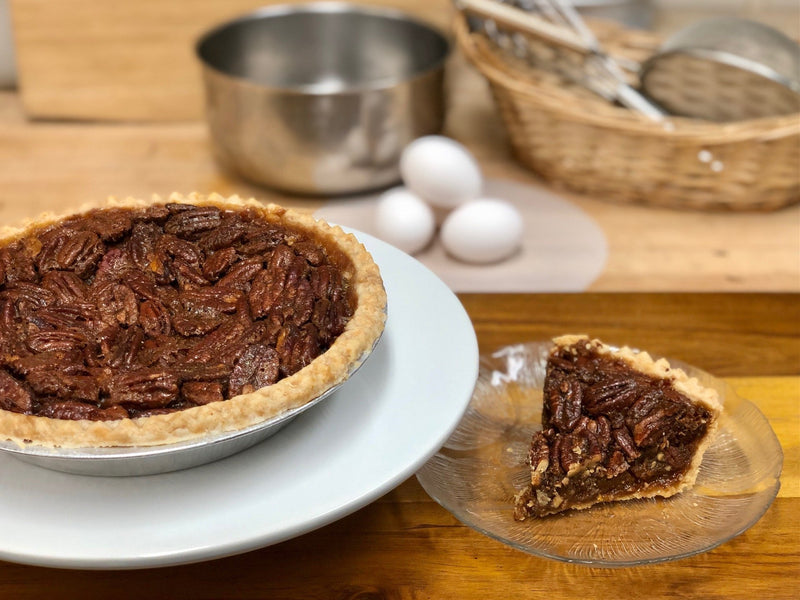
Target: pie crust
693, 418
327, 370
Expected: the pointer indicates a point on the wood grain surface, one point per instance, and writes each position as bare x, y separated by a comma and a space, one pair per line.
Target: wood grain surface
406, 547
130, 61
49, 166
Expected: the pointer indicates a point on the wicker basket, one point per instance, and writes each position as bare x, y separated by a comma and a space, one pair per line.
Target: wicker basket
575, 138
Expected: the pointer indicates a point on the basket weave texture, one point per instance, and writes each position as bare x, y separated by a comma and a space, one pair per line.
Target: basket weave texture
577, 139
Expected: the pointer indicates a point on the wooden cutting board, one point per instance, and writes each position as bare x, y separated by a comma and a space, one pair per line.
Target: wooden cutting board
132, 61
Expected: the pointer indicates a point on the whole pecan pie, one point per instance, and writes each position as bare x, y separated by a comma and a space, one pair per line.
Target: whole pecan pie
151, 322
616, 425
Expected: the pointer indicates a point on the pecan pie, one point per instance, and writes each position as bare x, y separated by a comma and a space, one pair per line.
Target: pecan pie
616, 425
147, 323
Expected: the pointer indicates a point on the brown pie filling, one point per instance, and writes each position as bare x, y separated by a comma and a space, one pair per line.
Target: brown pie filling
610, 432
122, 312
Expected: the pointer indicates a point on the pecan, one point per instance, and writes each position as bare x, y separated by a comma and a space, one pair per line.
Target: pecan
75, 317
189, 325
603, 431
13, 395
141, 284
220, 344
109, 225
154, 318
210, 300
202, 392
143, 388
142, 245
51, 240
192, 371
584, 423
174, 208
321, 316
70, 362
281, 259
162, 350
265, 330
296, 301
625, 442
62, 385
603, 398
267, 287
56, 341
157, 213
80, 253
297, 347
241, 274
646, 403
77, 411
116, 303
178, 249
299, 304
539, 457
330, 318
218, 263
261, 239
310, 251
283, 287
29, 296
579, 451
10, 330
114, 264
616, 465
257, 367
65, 286
564, 405
224, 236
327, 282
654, 426
193, 220
118, 347
188, 276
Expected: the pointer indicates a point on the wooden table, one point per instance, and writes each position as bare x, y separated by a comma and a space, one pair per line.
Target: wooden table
405, 546
56, 166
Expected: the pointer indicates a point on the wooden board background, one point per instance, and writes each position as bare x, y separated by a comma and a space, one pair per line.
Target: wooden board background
130, 60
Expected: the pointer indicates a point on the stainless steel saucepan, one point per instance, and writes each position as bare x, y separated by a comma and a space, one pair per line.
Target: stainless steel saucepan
321, 98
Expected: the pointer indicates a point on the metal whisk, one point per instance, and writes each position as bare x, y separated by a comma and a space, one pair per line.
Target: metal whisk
507, 23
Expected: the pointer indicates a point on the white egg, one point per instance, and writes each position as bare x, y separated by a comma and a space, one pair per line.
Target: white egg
404, 220
441, 171
483, 231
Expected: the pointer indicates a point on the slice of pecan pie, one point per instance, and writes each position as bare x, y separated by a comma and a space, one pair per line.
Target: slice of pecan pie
616, 425
147, 323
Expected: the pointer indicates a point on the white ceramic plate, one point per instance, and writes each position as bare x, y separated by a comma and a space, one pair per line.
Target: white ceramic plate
363, 441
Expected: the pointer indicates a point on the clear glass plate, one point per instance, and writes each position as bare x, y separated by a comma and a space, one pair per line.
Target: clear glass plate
483, 464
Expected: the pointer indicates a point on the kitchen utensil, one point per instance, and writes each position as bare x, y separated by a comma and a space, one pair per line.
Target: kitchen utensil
321, 98
576, 139
725, 69
580, 56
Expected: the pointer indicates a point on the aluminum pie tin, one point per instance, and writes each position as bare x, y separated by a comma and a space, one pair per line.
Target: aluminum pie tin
124, 461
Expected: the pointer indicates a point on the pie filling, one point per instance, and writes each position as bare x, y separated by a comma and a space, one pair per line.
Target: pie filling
131, 312
611, 431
